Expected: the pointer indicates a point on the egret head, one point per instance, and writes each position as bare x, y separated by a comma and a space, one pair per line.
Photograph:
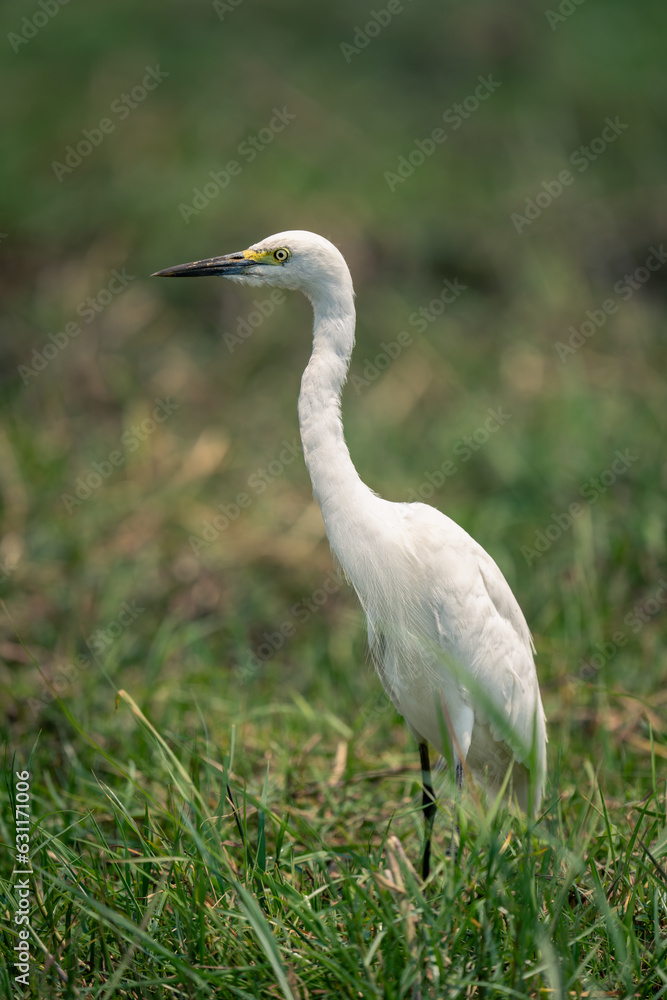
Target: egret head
295, 259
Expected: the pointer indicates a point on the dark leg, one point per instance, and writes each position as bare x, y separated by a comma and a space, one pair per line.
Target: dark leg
457, 828
428, 805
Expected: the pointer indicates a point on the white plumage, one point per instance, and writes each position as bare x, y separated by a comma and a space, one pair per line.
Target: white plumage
448, 638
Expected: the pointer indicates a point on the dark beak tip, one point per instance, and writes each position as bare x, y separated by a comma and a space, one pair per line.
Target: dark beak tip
168, 272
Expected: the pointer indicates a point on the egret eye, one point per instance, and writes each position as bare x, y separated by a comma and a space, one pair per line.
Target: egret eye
281, 254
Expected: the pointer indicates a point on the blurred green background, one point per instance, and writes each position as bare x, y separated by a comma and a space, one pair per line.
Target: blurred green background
110, 575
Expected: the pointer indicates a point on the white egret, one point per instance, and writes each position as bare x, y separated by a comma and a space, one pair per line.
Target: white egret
447, 636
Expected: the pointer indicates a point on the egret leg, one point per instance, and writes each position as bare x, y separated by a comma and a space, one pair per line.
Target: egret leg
428, 805
457, 828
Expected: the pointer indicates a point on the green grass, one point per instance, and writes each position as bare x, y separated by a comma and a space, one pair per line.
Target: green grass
243, 660
146, 884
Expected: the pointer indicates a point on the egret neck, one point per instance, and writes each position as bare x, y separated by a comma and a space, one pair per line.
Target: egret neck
336, 484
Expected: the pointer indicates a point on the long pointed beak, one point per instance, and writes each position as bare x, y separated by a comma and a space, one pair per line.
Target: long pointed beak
231, 263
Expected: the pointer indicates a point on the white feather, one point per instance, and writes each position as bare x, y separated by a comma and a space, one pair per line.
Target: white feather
447, 636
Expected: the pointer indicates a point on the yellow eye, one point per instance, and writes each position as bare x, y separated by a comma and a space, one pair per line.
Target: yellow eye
281, 254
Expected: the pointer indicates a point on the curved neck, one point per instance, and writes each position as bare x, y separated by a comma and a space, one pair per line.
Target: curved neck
336, 483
